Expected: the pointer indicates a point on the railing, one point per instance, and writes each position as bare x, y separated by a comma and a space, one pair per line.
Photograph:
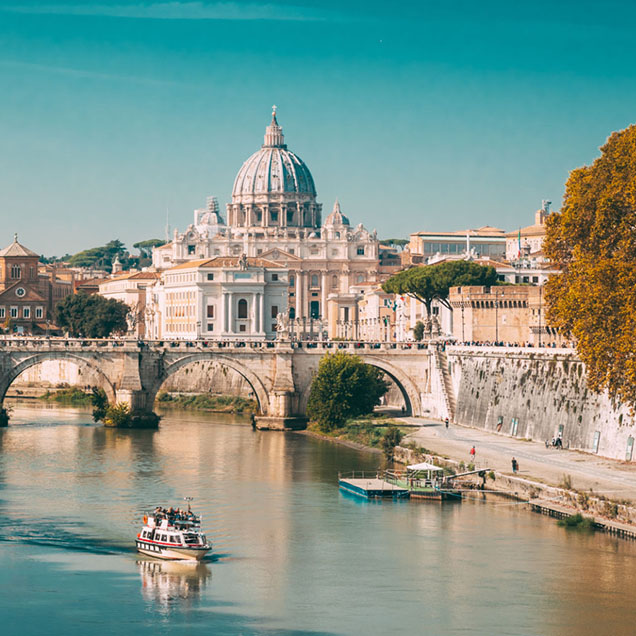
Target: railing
59, 344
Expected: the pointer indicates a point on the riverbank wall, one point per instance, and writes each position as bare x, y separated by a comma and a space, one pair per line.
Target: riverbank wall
611, 516
538, 394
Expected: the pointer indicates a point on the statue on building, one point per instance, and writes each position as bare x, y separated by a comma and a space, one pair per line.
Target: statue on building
243, 262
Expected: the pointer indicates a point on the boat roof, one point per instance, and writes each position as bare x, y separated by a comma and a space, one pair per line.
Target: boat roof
424, 466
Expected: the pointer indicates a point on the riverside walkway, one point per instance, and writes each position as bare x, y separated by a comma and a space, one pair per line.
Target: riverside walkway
612, 478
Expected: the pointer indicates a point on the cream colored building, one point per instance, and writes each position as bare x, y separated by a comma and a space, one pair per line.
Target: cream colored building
219, 298
130, 288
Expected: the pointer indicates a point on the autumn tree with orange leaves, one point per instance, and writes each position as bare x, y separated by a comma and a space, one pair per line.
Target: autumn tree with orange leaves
593, 241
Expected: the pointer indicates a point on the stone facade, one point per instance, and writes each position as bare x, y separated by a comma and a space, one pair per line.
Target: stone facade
274, 214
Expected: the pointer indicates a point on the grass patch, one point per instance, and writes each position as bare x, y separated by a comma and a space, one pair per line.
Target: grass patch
70, 395
367, 431
207, 402
577, 522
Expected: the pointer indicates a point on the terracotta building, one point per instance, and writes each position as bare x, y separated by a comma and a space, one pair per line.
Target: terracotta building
27, 297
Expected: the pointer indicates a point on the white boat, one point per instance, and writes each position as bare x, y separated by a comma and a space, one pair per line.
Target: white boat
173, 534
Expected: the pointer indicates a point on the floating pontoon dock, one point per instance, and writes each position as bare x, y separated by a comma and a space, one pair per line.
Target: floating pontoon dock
370, 486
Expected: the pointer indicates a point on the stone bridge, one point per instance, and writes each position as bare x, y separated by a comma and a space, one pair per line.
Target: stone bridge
279, 373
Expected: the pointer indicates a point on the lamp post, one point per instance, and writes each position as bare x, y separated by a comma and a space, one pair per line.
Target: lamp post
496, 320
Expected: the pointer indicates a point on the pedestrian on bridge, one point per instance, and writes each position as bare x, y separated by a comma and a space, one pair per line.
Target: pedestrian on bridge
473, 452
515, 466
446, 422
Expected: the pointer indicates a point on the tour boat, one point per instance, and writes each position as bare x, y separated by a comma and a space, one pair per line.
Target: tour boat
173, 534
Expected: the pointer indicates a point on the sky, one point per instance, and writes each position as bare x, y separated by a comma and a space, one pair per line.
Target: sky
416, 115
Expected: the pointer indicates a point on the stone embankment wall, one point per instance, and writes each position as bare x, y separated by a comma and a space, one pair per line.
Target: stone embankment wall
534, 394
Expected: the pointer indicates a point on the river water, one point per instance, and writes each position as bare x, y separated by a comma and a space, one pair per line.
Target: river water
292, 555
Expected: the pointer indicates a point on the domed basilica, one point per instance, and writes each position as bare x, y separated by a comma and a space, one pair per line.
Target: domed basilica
274, 215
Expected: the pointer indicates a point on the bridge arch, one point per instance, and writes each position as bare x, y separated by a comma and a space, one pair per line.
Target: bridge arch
257, 386
39, 358
407, 387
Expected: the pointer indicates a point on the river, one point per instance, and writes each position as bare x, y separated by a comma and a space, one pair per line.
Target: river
292, 555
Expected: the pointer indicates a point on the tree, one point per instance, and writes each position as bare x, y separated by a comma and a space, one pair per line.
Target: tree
145, 247
592, 240
100, 256
433, 282
418, 330
391, 438
92, 316
344, 387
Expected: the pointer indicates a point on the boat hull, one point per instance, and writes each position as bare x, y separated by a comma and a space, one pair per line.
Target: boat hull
172, 553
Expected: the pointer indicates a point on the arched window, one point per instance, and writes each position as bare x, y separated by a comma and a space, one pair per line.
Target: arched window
242, 308
292, 312
16, 271
360, 278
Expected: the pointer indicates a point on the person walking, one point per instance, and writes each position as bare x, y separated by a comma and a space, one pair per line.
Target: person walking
515, 465
446, 422
473, 452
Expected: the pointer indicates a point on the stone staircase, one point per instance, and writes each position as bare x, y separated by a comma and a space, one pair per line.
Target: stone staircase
441, 362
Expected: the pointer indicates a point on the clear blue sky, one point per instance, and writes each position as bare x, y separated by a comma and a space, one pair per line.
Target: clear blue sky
418, 116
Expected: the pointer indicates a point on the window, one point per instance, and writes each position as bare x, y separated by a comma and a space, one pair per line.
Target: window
314, 280
242, 328
291, 281
290, 216
26, 312
292, 313
274, 277
273, 216
16, 271
210, 276
242, 308
314, 309
360, 251
359, 278
259, 251
334, 281
190, 249
14, 312
210, 313
291, 251
274, 311
259, 216
210, 326
1, 312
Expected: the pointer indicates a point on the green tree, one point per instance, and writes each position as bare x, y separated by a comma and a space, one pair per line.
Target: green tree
92, 316
100, 256
418, 330
99, 400
391, 438
433, 282
145, 247
592, 240
344, 387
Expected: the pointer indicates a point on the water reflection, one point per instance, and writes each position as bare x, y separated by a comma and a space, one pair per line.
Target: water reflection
171, 585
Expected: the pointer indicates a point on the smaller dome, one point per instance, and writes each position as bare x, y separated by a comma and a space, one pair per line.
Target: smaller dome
336, 217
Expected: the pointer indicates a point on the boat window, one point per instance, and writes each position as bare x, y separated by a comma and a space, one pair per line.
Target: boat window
164, 538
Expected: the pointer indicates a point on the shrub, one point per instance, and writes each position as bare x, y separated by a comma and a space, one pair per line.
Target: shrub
100, 404
566, 482
577, 521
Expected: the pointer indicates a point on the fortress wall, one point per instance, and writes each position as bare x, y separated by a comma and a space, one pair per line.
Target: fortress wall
542, 392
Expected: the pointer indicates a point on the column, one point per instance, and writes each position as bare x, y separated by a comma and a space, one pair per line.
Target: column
224, 313
323, 295
230, 317
261, 314
299, 294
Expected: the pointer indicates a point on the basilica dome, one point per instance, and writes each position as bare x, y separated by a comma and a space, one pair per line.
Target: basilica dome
273, 170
